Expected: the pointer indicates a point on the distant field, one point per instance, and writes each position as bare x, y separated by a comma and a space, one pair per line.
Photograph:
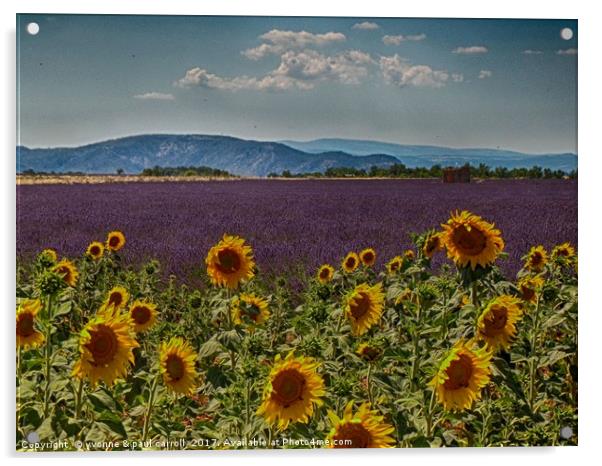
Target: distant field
292, 222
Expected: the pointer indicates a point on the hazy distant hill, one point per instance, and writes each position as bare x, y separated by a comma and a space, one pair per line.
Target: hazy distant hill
426, 156
238, 156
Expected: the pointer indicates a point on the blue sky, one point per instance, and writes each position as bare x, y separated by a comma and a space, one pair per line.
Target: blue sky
461, 83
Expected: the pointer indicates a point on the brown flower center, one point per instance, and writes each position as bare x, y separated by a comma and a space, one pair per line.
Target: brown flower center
352, 435
95, 250
324, 274
470, 242
141, 314
394, 266
65, 272
368, 257
251, 311
114, 241
287, 387
103, 345
228, 261
25, 325
495, 321
459, 373
174, 367
528, 293
116, 298
350, 262
536, 258
360, 305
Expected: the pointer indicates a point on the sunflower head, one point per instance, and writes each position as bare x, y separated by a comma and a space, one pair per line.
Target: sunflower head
461, 376
529, 287
325, 273
249, 309
230, 262
536, 259
27, 334
368, 257
406, 297
115, 240
564, 251
143, 315
432, 244
471, 241
292, 391
369, 352
497, 323
364, 429
48, 256
95, 250
177, 365
117, 297
106, 347
394, 265
364, 307
351, 262
68, 272
409, 255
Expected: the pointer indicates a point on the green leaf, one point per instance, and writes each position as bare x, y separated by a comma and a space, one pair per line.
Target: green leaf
113, 422
102, 401
210, 348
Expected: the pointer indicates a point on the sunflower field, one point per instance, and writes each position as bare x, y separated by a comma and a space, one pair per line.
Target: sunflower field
111, 356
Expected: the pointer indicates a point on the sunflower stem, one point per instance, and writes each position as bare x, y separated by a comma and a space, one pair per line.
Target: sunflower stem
78, 398
429, 416
474, 294
415, 339
149, 409
369, 383
48, 355
533, 359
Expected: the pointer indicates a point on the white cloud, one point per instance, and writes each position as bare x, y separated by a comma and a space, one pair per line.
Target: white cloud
531, 52
366, 25
484, 74
473, 49
566, 52
297, 70
400, 72
154, 96
457, 77
397, 40
278, 41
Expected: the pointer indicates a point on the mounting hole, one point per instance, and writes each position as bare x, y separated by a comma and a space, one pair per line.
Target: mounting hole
33, 28
566, 33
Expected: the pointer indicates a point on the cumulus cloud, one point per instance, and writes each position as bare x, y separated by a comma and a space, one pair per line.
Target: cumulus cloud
566, 52
400, 72
484, 74
366, 25
473, 49
297, 70
278, 41
397, 40
531, 52
457, 77
154, 96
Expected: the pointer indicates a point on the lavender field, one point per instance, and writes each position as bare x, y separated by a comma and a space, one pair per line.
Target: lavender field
288, 223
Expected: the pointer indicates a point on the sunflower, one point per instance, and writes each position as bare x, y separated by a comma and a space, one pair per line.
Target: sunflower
432, 244
177, 364
249, 308
106, 347
471, 240
461, 376
529, 287
230, 261
368, 257
394, 265
95, 250
536, 259
27, 334
497, 323
50, 255
351, 262
67, 270
325, 273
364, 307
115, 240
365, 429
368, 352
564, 250
143, 315
406, 296
409, 255
292, 390
117, 297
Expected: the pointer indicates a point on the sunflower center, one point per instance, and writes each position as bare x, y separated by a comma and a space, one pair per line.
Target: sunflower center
251, 311
360, 306
103, 345
174, 367
25, 325
394, 266
459, 373
114, 241
350, 263
470, 241
563, 252
527, 292
536, 258
228, 261
495, 321
324, 274
354, 433
116, 299
368, 257
95, 250
287, 387
141, 314
65, 272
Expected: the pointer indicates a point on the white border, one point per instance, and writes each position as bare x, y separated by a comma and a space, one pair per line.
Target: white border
590, 170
